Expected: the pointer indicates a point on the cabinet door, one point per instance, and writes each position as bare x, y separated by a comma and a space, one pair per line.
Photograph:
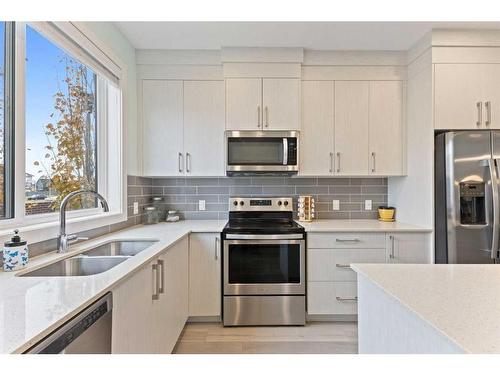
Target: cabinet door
408, 248
174, 300
204, 128
243, 103
281, 103
135, 323
204, 274
316, 136
351, 127
457, 90
386, 128
490, 79
162, 128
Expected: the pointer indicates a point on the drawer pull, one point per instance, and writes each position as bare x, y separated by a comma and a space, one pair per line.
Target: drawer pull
343, 265
347, 240
341, 299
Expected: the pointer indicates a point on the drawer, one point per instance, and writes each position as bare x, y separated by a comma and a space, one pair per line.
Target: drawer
346, 240
332, 298
330, 264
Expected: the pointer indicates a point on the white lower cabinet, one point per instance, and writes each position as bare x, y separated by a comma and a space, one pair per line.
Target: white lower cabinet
331, 283
332, 298
408, 248
204, 275
151, 307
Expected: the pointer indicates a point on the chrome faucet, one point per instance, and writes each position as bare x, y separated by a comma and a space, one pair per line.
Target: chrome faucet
64, 239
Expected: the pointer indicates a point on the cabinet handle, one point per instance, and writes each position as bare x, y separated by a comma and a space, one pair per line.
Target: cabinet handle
180, 162
391, 255
479, 106
188, 162
374, 165
338, 161
161, 273
258, 116
331, 162
488, 113
341, 299
338, 265
347, 240
156, 294
216, 252
267, 116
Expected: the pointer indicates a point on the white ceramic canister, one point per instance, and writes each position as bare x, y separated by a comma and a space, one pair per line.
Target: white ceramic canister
15, 253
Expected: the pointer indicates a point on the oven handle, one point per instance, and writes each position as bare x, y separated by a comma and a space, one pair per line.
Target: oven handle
264, 236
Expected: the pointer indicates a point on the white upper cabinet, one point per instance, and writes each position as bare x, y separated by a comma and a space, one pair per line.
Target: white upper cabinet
182, 128
316, 137
162, 128
281, 104
244, 104
262, 104
351, 127
204, 128
467, 96
386, 128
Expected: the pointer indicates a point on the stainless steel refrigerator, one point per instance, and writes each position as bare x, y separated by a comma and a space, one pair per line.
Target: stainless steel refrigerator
467, 208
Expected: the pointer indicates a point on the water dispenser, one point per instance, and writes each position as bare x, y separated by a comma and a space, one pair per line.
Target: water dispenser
472, 203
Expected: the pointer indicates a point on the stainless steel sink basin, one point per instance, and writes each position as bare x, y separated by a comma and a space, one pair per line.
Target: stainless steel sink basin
122, 247
79, 266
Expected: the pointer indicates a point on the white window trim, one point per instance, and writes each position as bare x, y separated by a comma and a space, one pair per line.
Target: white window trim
36, 228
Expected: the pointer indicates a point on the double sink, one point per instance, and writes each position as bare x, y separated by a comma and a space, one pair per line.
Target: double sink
95, 260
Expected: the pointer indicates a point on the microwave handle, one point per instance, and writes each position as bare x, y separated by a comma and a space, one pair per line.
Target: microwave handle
285, 151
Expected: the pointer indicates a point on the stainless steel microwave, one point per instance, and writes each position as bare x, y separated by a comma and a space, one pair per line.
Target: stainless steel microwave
258, 152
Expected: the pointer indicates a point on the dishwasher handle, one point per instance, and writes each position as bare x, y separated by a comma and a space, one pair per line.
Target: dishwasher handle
62, 337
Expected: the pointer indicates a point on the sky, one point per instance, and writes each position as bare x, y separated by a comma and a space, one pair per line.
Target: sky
43, 72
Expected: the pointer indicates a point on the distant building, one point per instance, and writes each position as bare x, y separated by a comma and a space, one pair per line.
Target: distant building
29, 185
43, 184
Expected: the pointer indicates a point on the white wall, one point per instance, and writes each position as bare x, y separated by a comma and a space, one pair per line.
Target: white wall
413, 196
108, 35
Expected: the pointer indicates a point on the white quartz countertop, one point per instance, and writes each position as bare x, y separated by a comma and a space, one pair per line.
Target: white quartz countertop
335, 225
461, 301
32, 307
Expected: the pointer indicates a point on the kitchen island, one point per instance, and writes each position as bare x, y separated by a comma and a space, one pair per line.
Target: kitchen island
440, 308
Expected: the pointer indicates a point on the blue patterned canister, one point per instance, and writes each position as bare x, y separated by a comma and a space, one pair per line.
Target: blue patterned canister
15, 253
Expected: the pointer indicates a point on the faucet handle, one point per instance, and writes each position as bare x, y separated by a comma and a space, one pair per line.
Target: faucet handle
72, 238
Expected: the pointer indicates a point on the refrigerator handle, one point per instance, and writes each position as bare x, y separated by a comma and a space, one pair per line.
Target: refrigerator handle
496, 207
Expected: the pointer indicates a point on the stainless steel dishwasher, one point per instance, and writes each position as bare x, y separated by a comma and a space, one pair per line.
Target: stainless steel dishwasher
87, 333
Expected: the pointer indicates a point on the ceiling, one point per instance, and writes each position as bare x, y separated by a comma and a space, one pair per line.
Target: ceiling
310, 35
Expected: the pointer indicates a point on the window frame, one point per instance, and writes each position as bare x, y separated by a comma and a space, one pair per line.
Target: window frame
39, 227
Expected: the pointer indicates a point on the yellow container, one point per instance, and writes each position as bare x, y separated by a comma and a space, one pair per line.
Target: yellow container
386, 213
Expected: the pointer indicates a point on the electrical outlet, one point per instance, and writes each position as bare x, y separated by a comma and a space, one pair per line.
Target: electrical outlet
201, 206
336, 205
136, 208
368, 205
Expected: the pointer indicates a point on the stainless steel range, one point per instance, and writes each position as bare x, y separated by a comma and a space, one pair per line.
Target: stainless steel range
263, 263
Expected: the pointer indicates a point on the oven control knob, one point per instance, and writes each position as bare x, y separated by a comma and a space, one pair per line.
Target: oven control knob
242, 203
279, 203
235, 203
286, 203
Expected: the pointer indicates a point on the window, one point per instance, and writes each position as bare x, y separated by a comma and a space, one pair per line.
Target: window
61, 127
68, 122
6, 79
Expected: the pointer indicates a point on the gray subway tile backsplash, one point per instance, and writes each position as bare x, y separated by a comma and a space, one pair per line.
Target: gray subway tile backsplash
183, 194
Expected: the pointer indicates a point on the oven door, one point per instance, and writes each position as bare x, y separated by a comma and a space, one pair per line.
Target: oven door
261, 152
257, 266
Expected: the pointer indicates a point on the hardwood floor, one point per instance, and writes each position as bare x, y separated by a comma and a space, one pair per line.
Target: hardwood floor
315, 338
